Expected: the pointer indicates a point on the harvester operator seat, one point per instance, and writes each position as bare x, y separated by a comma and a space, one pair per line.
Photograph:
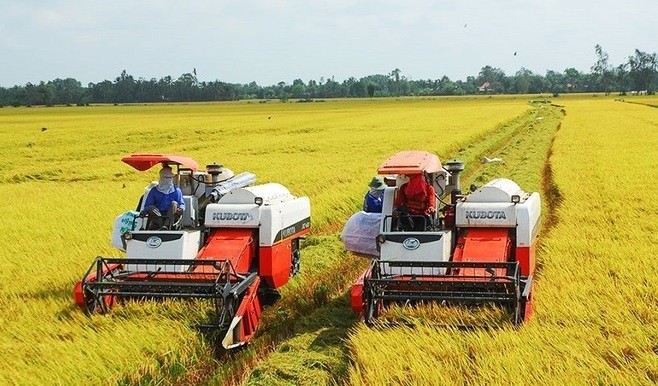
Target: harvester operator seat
410, 222
414, 203
142, 199
155, 220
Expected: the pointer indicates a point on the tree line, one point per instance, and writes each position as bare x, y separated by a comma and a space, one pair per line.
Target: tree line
638, 74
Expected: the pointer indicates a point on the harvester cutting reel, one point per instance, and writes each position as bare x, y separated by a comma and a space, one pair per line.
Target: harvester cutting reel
109, 280
450, 283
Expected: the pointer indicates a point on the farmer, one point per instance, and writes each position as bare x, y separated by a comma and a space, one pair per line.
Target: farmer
372, 202
166, 198
415, 198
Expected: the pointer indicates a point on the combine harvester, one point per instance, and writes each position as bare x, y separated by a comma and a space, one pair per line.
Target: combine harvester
234, 245
478, 249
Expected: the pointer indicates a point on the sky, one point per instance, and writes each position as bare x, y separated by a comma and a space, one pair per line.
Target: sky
240, 41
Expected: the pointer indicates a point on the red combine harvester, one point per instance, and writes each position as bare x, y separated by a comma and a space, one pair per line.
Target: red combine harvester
235, 243
478, 248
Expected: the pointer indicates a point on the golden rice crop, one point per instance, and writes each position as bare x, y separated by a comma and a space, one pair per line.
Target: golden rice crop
63, 183
596, 300
523, 144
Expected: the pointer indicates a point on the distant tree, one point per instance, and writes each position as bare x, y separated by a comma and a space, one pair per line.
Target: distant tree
521, 81
186, 87
602, 71
381, 83
251, 91
639, 73
124, 86
333, 89
102, 92
282, 91
66, 91
445, 86
147, 90
371, 89
42, 94
555, 82
356, 88
298, 89
404, 86
312, 88
495, 77
642, 70
574, 80
395, 80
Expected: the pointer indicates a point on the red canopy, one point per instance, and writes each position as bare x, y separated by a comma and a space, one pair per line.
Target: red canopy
411, 162
143, 162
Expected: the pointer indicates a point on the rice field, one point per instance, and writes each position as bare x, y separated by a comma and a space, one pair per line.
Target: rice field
595, 308
595, 318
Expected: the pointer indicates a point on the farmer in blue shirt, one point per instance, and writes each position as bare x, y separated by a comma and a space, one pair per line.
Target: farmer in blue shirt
372, 202
164, 198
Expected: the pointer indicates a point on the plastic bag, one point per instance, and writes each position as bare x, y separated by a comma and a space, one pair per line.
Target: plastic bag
123, 223
360, 232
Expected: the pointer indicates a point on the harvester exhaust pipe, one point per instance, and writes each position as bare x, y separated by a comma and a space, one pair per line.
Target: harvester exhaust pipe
454, 167
214, 170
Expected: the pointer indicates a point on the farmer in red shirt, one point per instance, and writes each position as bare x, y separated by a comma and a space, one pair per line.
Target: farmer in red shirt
416, 198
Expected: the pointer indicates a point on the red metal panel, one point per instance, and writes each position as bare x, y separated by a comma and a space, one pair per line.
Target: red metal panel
487, 245
236, 245
526, 258
483, 245
274, 263
356, 296
249, 311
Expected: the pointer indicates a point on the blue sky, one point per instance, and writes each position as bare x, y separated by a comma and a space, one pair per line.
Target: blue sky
273, 41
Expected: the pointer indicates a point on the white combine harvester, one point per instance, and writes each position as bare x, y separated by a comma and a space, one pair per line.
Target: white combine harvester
234, 244
479, 247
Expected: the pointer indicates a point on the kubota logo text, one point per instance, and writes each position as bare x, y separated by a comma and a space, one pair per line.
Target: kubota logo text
485, 214
235, 216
